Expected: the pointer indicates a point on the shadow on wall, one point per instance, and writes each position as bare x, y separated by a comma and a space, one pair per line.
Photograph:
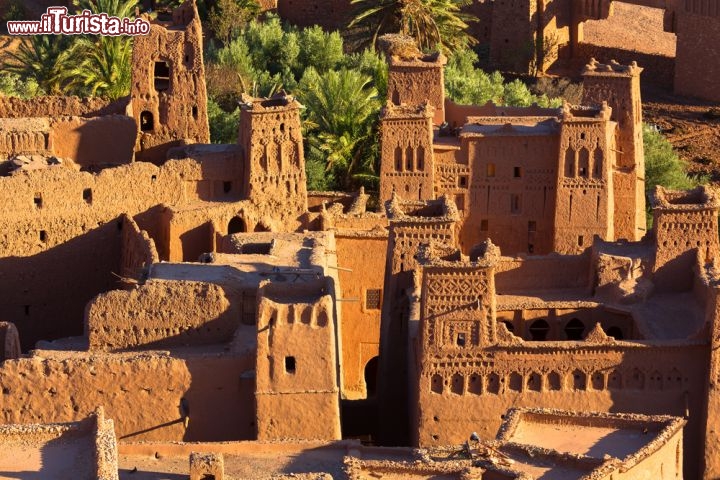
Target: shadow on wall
57, 459
45, 294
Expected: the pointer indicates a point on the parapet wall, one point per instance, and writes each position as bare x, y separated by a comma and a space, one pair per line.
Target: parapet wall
13, 107
161, 315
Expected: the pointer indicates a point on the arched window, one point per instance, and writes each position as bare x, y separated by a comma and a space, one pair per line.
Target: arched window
409, 163
584, 162
398, 159
615, 332
574, 329
539, 330
570, 163
371, 376
147, 121
598, 163
236, 225
421, 158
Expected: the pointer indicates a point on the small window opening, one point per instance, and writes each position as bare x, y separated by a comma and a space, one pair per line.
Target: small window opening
539, 330
372, 299
517, 172
38, 200
27, 310
490, 170
282, 127
227, 187
43, 236
87, 195
574, 329
581, 240
509, 326
162, 76
147, 123
463, 181
460, 340
483, 225
290, 365
195, 112
153, 178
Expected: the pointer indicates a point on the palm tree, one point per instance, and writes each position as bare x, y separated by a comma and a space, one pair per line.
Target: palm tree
114, 8
432, 23
43, 58
342, 111
105, 68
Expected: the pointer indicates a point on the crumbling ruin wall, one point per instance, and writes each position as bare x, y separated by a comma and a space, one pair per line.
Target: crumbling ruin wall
138, 250
168, 94
13, 107
141, 392
162, 314
9, 341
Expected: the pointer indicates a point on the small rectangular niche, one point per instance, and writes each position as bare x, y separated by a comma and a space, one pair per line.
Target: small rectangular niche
290, 365
38, 200
581, 240
517, 172
462, 181
43, 236
87, 196
227, 187
532, 226
461, 339
483, 225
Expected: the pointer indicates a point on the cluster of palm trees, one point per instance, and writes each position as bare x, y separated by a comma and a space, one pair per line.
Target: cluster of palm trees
82, 65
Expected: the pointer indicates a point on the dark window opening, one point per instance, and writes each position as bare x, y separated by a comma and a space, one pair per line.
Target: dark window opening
463, 181
282, 127
43, 236
38, 200
290, 365
398, 159
153, 178
27, 310
574, 329
539, 330
162, 76
87, 195
147, 123
372, 298
236, 225
517, 172
460, 340
227, 187
195, 112
509, 326
581, 240
483, 225
615, 332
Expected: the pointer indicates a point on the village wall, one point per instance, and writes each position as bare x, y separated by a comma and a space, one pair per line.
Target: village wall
141, 392
138, 250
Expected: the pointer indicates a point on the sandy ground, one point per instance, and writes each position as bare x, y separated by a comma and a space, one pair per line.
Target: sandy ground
59, 459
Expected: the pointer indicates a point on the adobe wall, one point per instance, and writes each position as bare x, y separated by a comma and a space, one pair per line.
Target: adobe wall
457, 393
163, 314
55, 106
512, 44
82, 140
140, 391
697, 64
418, 81
297, 392
523, 274
9, 340
657, 69
361, 262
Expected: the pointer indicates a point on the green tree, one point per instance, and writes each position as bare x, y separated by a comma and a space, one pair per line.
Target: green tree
104, 69
342, 111
114, 8
12, 85
227, 17
434, 24
45, 59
